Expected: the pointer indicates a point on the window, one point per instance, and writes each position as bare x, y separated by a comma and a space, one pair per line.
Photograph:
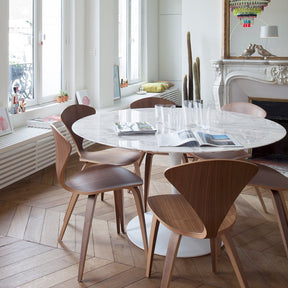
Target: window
35, 44
129, 40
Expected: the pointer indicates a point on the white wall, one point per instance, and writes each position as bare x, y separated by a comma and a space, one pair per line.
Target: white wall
170, 41
204, 21
4, 62
80, 45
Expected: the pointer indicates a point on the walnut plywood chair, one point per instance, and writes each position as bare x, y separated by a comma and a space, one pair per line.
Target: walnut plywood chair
204, 209
149, 102
92, 181
113, 156
277, 183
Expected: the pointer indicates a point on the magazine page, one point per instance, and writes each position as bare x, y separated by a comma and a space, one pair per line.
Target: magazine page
180, 138
132, 128
220, 140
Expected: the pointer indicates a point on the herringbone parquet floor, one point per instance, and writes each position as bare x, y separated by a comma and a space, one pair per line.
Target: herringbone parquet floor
31, 213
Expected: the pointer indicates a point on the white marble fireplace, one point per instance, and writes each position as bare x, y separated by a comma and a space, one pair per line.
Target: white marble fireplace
262, 81
238, 79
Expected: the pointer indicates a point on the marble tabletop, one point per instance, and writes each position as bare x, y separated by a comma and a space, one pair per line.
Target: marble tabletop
249, 131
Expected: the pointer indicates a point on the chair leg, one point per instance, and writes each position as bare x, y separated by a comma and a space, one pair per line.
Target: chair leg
91, 201
140, 211
152, 242
282, 216
141, 158
68, 213
261, 199
171, 254
148, 167
234, 258
185, 158
214, 253
119, 211
138, 173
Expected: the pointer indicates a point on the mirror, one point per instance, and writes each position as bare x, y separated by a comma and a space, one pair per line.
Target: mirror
237, 38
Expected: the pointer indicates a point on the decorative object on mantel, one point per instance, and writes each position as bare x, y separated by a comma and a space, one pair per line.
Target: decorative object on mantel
193, 73
263, 52
247, 10
249, 51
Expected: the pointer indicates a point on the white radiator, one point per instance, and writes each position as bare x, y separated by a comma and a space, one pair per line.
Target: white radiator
26, 151
172, 94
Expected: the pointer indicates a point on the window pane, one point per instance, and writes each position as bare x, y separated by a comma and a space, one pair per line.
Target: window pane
122, 39
21, 48
51, 47
135, 40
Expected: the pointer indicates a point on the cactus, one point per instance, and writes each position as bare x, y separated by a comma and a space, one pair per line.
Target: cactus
185, 92
193, 75
196, 74
190, 68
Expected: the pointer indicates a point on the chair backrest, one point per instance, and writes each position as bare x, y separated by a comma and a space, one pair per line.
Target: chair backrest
150, 102
245, 108
211, 187
63, 150
70, 115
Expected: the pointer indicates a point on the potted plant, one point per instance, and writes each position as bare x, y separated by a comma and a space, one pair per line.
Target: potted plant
62, 97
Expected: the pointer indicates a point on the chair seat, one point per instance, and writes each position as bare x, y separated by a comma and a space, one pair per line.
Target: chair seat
112, 156
109, 178
270, 178
184, 220
234, 155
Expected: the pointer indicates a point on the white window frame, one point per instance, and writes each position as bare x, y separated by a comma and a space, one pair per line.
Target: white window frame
128, 43
38, 97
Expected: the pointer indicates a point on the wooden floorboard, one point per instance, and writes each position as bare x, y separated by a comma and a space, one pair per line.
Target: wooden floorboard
32, 212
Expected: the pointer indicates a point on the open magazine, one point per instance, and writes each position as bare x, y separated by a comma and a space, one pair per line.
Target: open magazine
132, 128
189, 138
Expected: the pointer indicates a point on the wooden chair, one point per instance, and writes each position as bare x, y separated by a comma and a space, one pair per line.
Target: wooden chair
92, 181
113, 156
239, 107
204, 209
149, 102
277, 183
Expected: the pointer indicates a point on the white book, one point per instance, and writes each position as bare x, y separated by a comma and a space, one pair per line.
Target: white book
44, 122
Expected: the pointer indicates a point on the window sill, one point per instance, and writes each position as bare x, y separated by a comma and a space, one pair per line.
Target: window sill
53, 108
131, 89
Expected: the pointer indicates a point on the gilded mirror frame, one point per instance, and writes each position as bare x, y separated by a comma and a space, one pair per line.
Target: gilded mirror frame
226, 37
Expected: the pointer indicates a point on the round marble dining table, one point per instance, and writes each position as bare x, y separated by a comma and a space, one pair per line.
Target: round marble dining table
248, 130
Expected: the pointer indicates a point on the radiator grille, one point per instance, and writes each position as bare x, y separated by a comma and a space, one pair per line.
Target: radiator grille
172, 94
26, 152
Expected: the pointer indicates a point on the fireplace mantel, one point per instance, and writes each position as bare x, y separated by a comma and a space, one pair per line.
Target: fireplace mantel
238, 79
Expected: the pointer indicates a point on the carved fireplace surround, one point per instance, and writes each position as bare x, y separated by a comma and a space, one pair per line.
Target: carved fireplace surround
238, 79
259, 81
